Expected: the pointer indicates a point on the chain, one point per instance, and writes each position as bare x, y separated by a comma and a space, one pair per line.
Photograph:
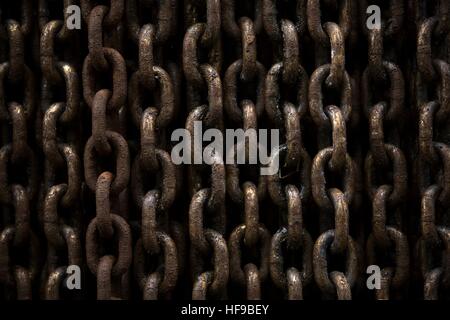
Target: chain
206, 183
333, 165
244, 87
156, 247
287, 105
18, 160
108, 236
432, 109
383, 92
89, 120
61, 129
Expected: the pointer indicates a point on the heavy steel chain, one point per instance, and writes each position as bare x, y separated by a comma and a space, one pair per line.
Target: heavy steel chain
94, 204
331, 82
432, 103
286, 105
106, 152
383, 92
205, 182
20, 247
156, 247
60, 114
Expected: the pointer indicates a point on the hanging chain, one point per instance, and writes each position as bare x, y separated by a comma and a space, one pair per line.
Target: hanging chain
206, 182
18, 159
94, 204
156, 247
383, 92
333, 165
61, 147
108, 236
286, 97
433, 103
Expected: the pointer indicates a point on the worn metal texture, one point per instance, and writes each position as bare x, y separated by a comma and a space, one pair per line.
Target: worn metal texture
87, 178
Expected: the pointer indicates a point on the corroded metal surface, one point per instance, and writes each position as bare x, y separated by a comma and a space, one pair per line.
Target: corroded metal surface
87, 178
